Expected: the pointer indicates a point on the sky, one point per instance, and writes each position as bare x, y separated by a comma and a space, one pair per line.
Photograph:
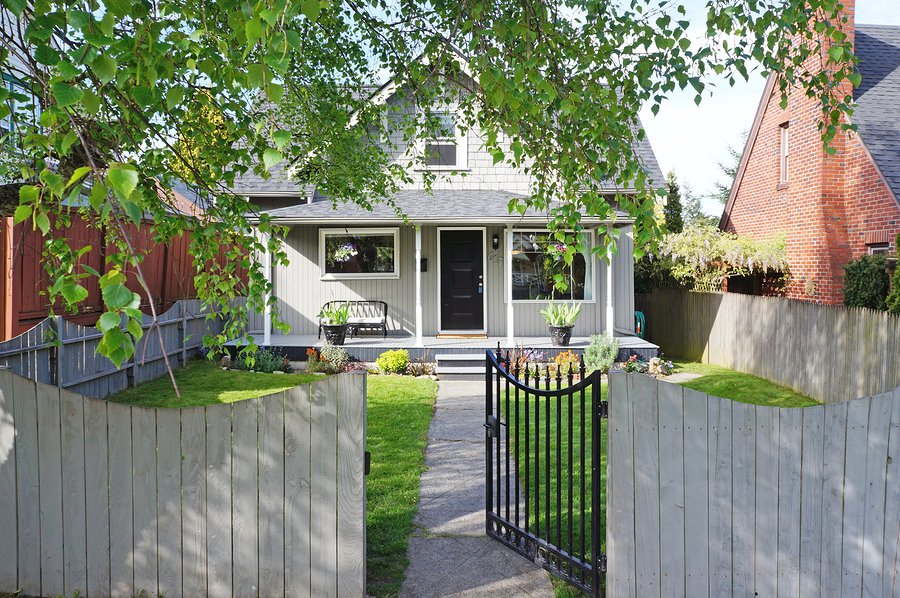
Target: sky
690, 139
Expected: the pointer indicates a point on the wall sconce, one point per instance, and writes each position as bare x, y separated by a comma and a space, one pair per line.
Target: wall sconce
495, 241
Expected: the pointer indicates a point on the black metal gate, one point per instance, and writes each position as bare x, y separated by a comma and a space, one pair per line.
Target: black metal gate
543, 486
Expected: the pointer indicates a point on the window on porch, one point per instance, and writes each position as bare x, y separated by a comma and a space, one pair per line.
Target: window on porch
537, 258
358, 253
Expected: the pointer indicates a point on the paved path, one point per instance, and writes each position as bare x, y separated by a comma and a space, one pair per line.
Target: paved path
450, 555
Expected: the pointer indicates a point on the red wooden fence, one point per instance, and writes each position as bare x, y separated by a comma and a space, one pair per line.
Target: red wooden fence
167, 268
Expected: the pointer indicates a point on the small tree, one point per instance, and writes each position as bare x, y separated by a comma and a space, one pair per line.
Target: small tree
866, 283
674, 223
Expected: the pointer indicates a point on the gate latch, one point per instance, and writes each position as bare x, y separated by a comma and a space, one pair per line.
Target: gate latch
493, 426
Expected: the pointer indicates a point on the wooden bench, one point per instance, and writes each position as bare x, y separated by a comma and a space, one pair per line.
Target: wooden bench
363, 314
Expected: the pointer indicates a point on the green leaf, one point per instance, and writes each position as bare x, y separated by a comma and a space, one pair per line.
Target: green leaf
116, 296
98, 195
74, 293
134, 327
70, 138
79, 172
311, 9
174, 97
42, 221
256, 75
22, 213
16, 6
66, 94
46, 55
282, 138
91, 102
90, 270
293, 38
271, 157
123, 178
134, 211
104, 67
108, 321
253, 30
120, 8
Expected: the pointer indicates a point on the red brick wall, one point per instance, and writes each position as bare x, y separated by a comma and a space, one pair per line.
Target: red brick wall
825, 209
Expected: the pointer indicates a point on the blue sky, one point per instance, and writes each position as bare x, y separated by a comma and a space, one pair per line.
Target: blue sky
690, 139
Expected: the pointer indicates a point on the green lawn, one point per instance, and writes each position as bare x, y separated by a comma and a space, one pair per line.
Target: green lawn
399, 414
202, 382
722, 382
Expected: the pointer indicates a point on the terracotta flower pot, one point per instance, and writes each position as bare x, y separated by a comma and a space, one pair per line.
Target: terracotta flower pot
560, 335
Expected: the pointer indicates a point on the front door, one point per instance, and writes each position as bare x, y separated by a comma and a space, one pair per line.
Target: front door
462, 280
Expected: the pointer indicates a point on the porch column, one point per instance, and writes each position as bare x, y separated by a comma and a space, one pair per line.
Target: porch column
267, 272
510, 316
419, 342
610, 311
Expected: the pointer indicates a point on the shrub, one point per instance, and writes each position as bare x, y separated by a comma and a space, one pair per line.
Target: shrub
601, 353
866, 283
393, 361
893, 300
335, 356
264, 360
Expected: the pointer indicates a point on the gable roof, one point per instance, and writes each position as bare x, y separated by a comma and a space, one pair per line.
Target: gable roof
475, 206
876, 115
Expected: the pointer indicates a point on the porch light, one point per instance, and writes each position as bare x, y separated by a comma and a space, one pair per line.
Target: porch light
495, 241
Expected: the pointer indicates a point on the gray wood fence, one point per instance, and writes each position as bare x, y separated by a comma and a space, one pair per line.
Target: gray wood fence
709, 497
263, 497
76, 366
826, 352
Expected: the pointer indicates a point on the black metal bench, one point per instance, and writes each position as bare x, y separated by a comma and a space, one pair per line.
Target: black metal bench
363, 314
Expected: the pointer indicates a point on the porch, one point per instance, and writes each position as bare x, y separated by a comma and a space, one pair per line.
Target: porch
369, 347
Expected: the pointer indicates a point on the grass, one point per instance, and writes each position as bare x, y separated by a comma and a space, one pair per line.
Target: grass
716, 381
399, 414
202, 382
744, 388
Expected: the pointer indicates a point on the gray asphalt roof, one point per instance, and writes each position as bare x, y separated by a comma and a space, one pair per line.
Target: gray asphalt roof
878, 97
441, 207
280, 182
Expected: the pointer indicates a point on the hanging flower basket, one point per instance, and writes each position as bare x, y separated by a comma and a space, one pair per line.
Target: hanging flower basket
345, 252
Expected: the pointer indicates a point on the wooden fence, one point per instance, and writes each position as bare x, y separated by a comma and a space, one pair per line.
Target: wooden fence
263, 497
829, 353
709, 497
75, 365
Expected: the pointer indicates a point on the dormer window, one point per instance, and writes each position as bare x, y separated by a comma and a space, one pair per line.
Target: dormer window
448, 148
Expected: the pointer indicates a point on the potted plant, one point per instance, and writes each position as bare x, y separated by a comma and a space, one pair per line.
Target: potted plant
334, 321
561, 319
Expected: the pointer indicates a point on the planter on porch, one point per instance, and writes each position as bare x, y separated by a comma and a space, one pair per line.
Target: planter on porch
560, 335
335, 333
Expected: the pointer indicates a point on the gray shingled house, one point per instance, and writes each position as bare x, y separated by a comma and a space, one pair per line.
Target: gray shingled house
462, 266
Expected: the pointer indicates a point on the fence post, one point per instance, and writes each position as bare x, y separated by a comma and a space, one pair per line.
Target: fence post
56, 352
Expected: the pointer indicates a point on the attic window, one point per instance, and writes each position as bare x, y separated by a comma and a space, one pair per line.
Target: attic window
785, 153
447, 149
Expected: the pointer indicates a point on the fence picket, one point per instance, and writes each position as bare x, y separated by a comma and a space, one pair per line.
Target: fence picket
297, 509
696, 491
73, 491
876, 459
833, 497
271, 493
8, 512
121, 520
96, 483
743, 420
720, 495
50, 475
854, 497
194, 509
646, 484
672, 489
891, 573
766, 486
218, 500
620, 489
351, 503
245, 524
813, 447
169, 499
323, 500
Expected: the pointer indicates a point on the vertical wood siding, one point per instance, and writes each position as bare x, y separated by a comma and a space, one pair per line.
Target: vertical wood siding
709, 497
826, 352
76, 366
301, 293
219, 501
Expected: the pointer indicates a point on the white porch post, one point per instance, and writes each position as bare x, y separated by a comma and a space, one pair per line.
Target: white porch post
267, 271
510, 315
419, 342
610, 311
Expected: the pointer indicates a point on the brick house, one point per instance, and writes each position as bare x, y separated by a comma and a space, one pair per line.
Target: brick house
831, 208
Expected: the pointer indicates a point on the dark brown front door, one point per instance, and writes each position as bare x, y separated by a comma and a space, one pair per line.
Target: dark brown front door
462, 280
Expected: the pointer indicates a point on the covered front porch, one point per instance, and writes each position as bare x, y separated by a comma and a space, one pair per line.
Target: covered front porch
369, 347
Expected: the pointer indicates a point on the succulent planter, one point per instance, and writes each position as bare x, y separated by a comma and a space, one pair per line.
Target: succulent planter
560, 335
335, 333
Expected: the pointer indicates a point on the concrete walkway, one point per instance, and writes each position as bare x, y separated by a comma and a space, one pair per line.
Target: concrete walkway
450, 554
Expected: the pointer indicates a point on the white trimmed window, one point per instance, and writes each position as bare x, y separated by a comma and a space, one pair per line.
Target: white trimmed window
359, 253
785, 154
448, 149
537, 258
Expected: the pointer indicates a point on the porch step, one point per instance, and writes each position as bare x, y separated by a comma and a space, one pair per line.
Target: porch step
459, 366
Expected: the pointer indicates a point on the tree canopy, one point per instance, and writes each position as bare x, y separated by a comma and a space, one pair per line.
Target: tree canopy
112, 96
